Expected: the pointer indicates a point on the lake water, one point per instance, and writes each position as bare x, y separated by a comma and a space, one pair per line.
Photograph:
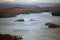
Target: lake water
30, 28
39, 20
27, 16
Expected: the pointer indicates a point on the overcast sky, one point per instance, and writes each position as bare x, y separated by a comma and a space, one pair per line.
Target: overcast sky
31, 1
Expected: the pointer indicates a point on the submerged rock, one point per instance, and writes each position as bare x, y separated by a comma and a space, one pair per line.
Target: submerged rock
21, 20
52, 25
32, 20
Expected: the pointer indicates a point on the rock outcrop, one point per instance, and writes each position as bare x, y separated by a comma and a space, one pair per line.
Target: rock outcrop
20, 20
10, 37
52, 25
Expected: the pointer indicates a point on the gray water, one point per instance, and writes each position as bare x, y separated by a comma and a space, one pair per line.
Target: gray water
29, 28
27, 16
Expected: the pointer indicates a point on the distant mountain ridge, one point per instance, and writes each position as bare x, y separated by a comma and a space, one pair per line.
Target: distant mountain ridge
10, 4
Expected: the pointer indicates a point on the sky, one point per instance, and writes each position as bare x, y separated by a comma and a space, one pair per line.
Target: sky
31, 1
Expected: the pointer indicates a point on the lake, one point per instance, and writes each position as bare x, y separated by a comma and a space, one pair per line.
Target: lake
31, 30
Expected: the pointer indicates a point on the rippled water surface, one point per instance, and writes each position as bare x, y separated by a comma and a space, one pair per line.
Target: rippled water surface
31, 30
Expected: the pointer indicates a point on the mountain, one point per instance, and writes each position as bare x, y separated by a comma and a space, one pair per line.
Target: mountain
9, 4
14, 4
